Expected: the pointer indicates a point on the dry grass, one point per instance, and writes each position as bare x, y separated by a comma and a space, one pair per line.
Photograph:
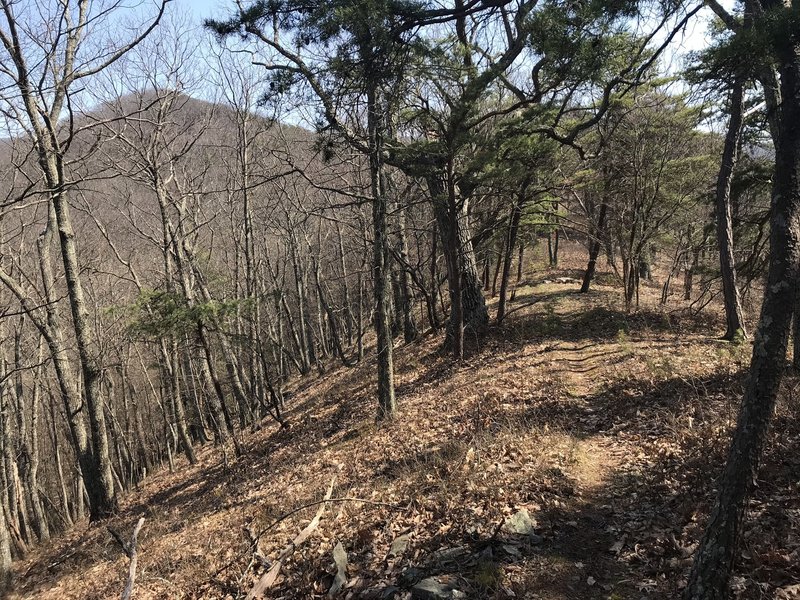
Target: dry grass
608, 428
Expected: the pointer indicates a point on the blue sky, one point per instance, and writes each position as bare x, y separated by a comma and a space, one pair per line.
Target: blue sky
202, 9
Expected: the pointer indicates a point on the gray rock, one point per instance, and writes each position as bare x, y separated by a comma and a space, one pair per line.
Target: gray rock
449, 555
520, 523
399, 545
433, 589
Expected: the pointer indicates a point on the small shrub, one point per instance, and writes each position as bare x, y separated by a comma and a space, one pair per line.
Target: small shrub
488, 575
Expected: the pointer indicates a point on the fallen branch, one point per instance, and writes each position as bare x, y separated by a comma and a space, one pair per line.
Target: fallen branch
255, 538
268, 579
129, 549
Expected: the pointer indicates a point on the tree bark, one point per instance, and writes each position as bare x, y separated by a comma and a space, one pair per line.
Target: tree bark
733, 304
387, 404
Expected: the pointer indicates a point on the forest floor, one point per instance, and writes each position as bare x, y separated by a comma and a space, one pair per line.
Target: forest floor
573, 456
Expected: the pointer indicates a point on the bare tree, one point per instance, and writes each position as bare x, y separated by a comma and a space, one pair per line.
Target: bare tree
51, 50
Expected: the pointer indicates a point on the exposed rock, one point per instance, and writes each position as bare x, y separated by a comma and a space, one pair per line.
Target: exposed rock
449, 555
399, 545
520, 523
433, 589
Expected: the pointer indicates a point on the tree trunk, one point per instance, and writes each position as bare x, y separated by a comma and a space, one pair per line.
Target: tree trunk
498, 265
710, 575
337, 341
521, 263
406, 296
387, 405
5, 557
40, 524
727, 258
171, 362
348, 305
433, 315
69, 386
64, 496
452, 220
511, 242
217, 397
556, 239
594, 250
306, 334
198, 428
360, 322
231, 361
688, 280
103, 500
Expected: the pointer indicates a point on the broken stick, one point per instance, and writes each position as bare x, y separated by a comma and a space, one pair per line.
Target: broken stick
130, 551
268, 579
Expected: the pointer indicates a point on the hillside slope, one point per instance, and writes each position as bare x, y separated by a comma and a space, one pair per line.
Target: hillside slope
573, 457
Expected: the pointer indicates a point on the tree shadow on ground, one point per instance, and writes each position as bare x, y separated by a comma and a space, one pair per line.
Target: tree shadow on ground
629, 535
599, 323
633, 534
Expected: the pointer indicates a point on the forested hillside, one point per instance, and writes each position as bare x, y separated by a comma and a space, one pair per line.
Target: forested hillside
399, 299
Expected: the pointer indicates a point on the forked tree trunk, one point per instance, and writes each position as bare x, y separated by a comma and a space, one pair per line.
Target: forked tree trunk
710, 575
452, 220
